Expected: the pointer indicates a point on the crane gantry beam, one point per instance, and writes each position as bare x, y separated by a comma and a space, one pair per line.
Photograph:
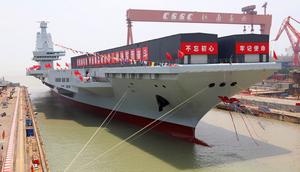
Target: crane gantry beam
251, 18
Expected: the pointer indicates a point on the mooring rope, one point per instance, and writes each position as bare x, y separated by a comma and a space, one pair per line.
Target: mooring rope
230, 114
139, 131
145, 132
234, 126
248, 130
96, 132
238, 110
150, 128
112, 116
252, 113
251, 125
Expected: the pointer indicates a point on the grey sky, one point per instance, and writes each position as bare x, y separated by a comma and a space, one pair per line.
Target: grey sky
91, 25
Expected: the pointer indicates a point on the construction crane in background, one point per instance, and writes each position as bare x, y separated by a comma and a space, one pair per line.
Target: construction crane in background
293, 35
248, 17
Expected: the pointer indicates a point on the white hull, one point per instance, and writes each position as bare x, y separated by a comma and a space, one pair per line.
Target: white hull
152, 91
180, 83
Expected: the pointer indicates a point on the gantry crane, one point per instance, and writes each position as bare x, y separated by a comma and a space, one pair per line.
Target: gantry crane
248, 17
290, 31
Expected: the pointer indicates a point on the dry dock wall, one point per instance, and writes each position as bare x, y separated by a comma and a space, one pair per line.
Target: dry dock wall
274, 105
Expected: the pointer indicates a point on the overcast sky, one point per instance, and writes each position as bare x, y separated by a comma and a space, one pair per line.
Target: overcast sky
93, 25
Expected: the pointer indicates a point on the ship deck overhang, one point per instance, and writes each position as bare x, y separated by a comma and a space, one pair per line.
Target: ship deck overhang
193, 68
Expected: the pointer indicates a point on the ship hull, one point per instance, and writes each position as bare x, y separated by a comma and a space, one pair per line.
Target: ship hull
191, 91
136, 81
179, 131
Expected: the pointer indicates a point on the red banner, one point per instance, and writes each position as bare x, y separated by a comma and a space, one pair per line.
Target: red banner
126, 55
122, 55
132, 54
117, 55
112, 54
190, 48
137, 54
145, 53
252, 48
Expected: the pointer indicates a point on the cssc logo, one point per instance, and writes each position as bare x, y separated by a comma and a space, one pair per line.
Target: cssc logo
177, 16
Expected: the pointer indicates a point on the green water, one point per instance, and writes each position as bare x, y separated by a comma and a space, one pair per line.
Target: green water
66, 128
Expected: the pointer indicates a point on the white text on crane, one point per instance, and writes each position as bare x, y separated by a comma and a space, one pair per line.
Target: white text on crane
175, 16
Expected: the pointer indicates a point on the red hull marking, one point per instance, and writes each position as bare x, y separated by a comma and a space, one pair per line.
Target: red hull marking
176, 130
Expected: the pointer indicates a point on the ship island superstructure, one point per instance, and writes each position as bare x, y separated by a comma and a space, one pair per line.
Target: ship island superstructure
44, 53
158, 75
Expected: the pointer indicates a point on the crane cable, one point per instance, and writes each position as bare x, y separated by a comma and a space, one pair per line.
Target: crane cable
118, 104
139, 131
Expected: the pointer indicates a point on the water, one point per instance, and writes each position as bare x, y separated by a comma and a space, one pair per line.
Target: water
65, 129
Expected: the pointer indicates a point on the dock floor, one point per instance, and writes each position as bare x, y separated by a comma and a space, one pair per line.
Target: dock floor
20, 152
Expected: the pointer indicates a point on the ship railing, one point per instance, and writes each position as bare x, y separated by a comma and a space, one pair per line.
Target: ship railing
35, 72
99, 79
88, 79
90, 82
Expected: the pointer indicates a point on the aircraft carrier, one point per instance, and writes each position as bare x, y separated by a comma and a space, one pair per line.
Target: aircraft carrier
173, 81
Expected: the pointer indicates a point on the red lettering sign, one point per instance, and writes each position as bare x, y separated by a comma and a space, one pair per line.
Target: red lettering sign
132, 54
117, 55
190, 48
81, 62
102, 59
122, 55
89, 60
138, 52
126, 55
85, 61
145, 53
94, 60
97, 59
252, 48
112, 54
108, 58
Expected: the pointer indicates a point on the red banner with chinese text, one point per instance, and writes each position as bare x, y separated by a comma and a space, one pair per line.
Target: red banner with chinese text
190, 48
252, 48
